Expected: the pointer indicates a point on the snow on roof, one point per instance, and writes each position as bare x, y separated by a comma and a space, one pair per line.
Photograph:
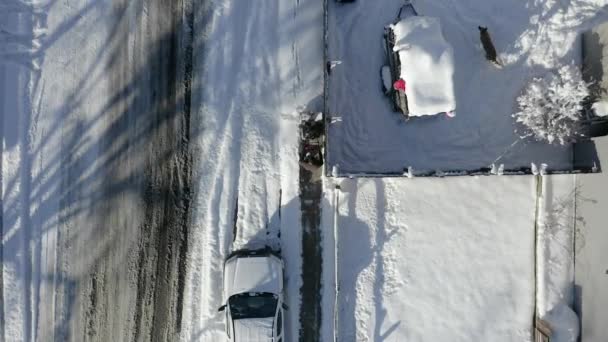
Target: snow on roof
427, 65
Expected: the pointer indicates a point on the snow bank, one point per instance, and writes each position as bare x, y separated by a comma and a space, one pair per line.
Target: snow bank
427, 65
436, 259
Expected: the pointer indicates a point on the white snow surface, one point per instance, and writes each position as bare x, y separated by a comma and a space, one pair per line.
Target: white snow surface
555, 253
427, 65
436, 259
44, 54
451, 259
446, 257
531, 38
260, 63
264, 63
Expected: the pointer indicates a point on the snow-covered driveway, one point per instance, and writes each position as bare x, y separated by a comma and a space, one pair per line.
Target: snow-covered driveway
449, 259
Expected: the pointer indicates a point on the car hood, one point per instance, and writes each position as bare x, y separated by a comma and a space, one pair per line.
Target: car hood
253, 274
253, 329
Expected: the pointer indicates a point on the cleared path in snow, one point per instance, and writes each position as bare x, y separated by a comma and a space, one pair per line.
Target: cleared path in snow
311, 194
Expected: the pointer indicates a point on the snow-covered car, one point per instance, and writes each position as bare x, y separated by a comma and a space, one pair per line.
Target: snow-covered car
419, 77
253, 296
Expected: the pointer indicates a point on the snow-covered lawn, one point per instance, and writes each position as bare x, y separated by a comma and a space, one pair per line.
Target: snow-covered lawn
441, 259
532, 38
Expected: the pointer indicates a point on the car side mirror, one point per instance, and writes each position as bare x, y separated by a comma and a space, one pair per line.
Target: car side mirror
221, 308
285, 307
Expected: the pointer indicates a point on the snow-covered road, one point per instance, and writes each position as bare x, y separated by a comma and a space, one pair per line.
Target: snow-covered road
95, 169
260, 62
130, 129
458, 259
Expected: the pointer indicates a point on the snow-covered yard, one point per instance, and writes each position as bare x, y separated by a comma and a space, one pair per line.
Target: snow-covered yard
532, 38
447, 259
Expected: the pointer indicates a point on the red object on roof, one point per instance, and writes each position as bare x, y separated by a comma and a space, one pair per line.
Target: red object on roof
399, 85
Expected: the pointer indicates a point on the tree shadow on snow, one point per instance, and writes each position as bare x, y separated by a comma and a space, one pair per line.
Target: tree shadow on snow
115, 193
361, 256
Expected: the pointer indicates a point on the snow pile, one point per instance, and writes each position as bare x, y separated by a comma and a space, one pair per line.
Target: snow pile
427, 65
550, 106
435, 259
555, 273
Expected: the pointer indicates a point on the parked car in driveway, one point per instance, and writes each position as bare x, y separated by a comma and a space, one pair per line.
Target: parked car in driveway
253, 296
419, 77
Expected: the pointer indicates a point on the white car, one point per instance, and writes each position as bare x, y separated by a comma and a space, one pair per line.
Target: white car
253, 296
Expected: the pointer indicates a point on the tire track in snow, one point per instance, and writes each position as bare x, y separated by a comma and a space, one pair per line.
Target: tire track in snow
224, 182
239, 150
259, 179
222, 153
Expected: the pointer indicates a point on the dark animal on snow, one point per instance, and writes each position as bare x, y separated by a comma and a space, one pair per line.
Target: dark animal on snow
488, 46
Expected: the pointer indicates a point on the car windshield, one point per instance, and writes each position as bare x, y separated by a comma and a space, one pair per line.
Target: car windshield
253, 305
